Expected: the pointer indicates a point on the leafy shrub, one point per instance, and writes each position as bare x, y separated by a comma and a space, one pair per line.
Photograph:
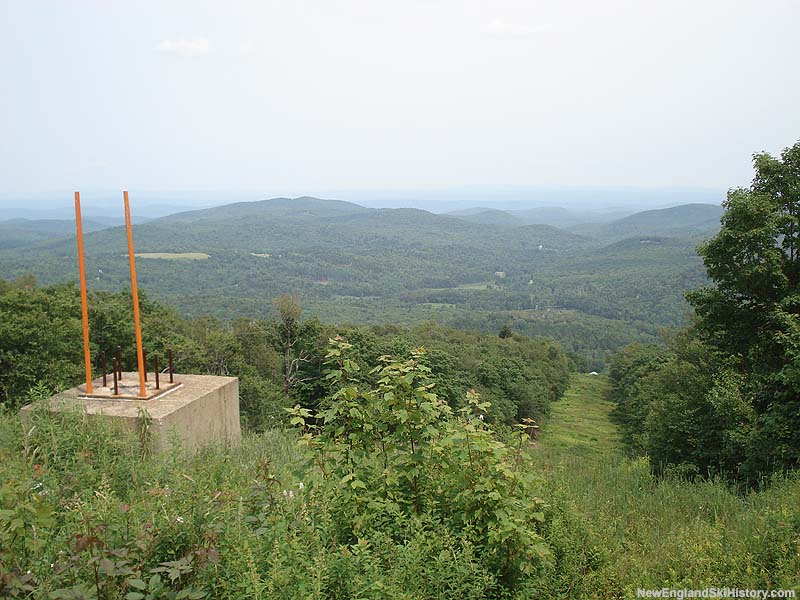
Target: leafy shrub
688, 409
632, 371
396, 452
259, 521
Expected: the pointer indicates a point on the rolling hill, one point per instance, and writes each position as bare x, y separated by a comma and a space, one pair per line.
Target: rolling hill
17, 233
352, 263
303, 208
555, 216
688, 221
488, 216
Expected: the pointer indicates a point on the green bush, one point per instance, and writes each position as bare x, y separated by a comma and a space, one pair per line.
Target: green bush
84, 514
691, 412
404, 500
396, 452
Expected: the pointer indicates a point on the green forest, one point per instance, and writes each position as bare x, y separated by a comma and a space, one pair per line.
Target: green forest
419, 416
593, 291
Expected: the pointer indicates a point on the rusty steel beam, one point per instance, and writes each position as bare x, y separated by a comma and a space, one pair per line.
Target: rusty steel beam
87, 357
137, 324
105, 370
171, 366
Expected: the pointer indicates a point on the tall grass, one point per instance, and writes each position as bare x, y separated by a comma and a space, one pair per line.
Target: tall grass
85, 514
619, 528
91, 516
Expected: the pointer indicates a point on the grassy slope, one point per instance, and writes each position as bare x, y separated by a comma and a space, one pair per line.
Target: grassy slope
612, 526
637, 531
580, 424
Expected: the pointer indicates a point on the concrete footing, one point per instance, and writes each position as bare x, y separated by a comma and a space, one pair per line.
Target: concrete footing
201, 410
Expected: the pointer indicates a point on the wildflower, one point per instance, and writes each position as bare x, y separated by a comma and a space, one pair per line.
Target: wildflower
300, 485
179, 520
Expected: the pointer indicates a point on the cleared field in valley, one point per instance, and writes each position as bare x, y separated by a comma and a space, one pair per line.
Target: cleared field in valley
174, 255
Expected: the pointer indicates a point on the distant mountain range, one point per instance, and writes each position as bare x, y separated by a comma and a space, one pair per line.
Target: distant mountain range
16, 233
557, 216
522, 198
688, 220
473, 268
102, 204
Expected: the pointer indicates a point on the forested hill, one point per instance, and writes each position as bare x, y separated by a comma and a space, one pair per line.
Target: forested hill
679, 221
347, 262
17, 233
688, 220
488, 216
303, 208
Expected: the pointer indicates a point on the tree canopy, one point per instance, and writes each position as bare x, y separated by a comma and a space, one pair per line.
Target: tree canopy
725, 396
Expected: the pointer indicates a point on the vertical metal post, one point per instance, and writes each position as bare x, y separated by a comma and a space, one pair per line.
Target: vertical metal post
155, 369
116, 386
135, 296
171, 367
87, 358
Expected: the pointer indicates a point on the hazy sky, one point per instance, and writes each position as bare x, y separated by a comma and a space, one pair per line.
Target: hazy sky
301, 96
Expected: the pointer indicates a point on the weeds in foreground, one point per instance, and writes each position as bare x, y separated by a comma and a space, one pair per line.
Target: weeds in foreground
84, 515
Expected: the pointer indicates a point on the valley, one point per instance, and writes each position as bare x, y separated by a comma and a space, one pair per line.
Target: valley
593, 291
399, 300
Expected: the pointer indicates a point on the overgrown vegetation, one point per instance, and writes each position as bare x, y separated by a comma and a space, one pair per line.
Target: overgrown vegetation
395, 496
722, 398
620, 527
278, 363
354, 513
352, 264
416, 475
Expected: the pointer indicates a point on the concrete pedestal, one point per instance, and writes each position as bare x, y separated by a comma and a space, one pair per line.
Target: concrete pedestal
201, 410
